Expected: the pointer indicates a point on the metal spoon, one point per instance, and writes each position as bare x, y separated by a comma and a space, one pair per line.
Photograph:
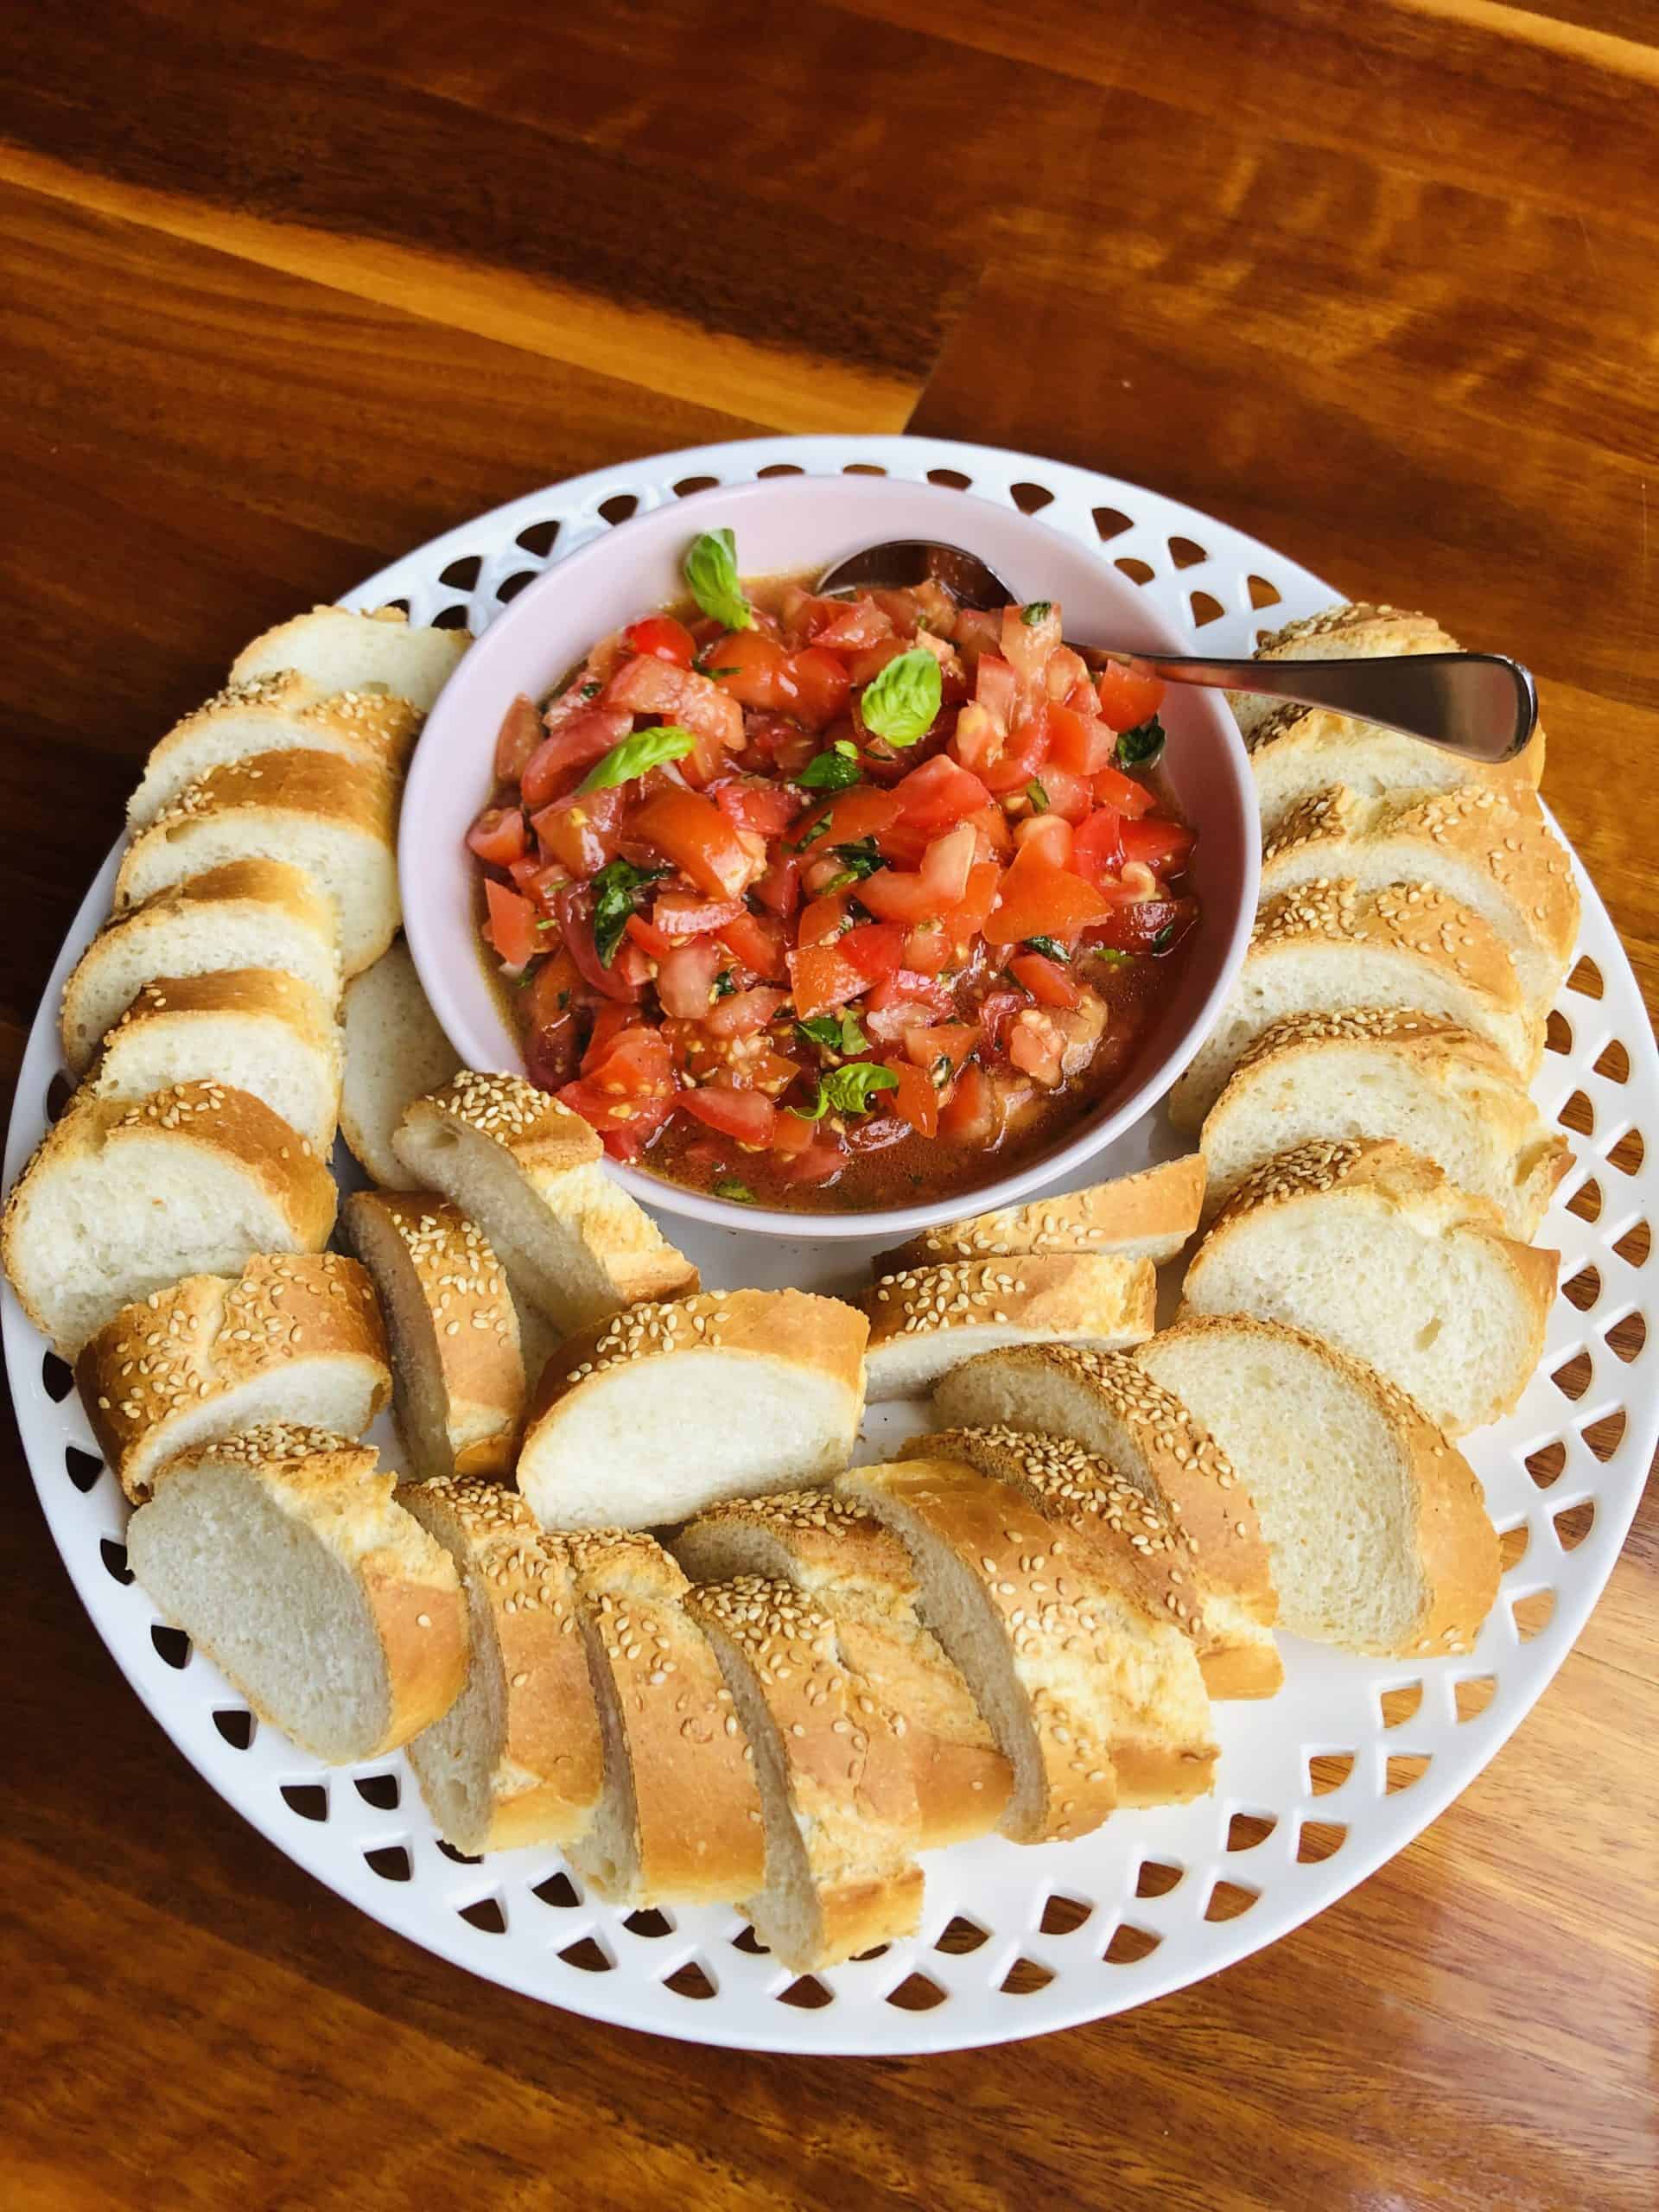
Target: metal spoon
1482, 705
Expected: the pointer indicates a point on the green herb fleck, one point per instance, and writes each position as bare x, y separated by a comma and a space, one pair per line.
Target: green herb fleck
723, 984
646, 748
614, 889
902, 701
1037, 611
1140, 747
848, 1090
591, 690
1038, 796
1050, 947
1164, 938
942, 1071
858, 860
732, 1187
816, 830
836, 1032
830, 772
711, 571
1110, 953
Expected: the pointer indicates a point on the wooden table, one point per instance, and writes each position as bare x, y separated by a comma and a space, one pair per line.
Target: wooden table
288, 289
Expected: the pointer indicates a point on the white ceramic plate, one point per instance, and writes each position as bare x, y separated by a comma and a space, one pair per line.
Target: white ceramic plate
1014, 1941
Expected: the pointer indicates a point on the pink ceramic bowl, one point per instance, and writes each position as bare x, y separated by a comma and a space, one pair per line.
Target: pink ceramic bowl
803, 523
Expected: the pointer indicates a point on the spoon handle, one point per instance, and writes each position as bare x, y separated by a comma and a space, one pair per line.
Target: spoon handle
1482, 705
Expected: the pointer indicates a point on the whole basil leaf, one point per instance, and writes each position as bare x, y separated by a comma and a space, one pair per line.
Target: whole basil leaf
711, 571
614, 888
1140, 747
848, 1090
902, 703
646, 748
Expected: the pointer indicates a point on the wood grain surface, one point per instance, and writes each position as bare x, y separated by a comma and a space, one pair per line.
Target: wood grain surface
285, 290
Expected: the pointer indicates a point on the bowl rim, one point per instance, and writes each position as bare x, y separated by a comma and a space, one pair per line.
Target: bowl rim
896, 1223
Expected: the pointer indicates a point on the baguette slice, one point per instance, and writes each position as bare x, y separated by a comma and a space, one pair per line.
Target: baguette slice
1038, 1662
841, 1825
274, 714
1144, 1217
859, 1573
269, 1034
1158, 1727
1297, 752
1494, 853
517, 1759
1441, 1089
453, 1329
293, 1339
1369, 1246
1379, 1536
1104, 1404
923, 1321
334, 817
1331, 948
1351, 630
120, 1200
529, 1172
668, 1409
395, 1053
679, 1820
282, 1554
246, 914
336, 650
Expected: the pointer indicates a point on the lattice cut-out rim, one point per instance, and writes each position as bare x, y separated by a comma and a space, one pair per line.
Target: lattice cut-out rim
1315, 1763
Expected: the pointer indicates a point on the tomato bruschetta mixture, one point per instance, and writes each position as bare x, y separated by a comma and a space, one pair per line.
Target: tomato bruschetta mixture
818, 902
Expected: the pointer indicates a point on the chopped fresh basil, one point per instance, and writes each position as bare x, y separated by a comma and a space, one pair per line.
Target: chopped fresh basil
723, 984
1140, 747
646, 748
1038, 796
902, 701
942, 1071
858, 860
816, 830
1050, 947
848, 1090
711, 571
614, 888
836, 1032
1164, 938
1037, 611
1110, 953
830, 772
592, 691
732, 1187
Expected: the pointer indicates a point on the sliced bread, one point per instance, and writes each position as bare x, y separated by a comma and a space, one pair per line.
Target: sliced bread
1297, 752
1105, 1405
120, 1200
530, 1172
395, 1053
1446, 1092
1148, 1216
296, 1340
923, 1321
1379, 1537
1494, 852
679, 1820
517, 1759
1331, 948
1351, 630
273, 714
841, 1825
859, 1572
334, 817
669, 1409
283, 1555
453, 1330
267, 1034
1367, 1245
247, 914
335, 649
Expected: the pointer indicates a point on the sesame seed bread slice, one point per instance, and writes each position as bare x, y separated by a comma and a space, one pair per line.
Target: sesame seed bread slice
395, 1053
273, 714
283, 1555
1157, 1726
923, 1321
1332, 947
679, 1820
1353, 630
267, 1034
671, 1407
1106, 1404
296, 1338
336, 818
1379, 1536
121, 1199
253, 913
859, 1573
1493, 851
337, 650
841, 1825
453, 1334
530, 1172
517, 1759
1037, 1659
1148, 1216
1297, 752
1441, 1089
1368, 1245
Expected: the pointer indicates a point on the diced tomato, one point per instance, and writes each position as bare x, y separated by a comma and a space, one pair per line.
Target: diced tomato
760, 943
520, 734
574, 906
685, 977
1065, 674
1045, 979
1097, 846
775, 743
688, 914
940, 794
822, 684
1036, 1047
804, 614
916, 1099
822, 921
792, 1133
1026, 645
992, 824
860, 623
692, 831
537, 879
746, 1115
908, 988
819, 1163
677, 695
609, 1023
1068, 796
1137, 924
1112, 788
976, 630
865, 667
1048, 836
511, 924
1022, 757
550, 994
851, 816
966, 920
968, 1117
627, 1089
648, 937
996, 688
757, 803
1077, 743
1165, 847
893, 896
580, 832
498, 835
1038, 899
754, 669
996, 1011
947, 1041
577, 743
779, 889
929, 947
660, 637
823, 979
977, 740
875, 949
745, 1014
947, 864
1128, 700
